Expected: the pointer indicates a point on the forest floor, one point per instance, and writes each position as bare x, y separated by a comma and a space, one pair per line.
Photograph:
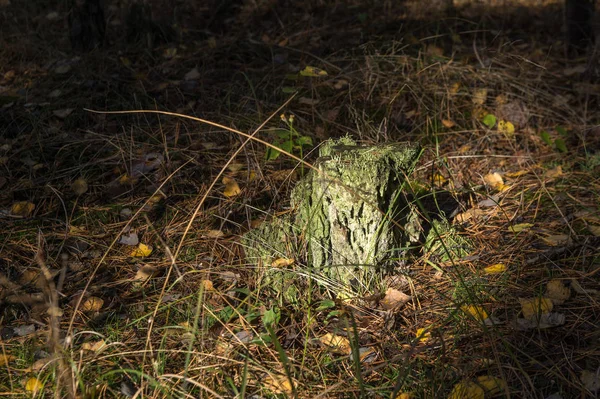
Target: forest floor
121, 269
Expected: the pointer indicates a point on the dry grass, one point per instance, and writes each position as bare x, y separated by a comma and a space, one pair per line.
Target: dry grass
189, 319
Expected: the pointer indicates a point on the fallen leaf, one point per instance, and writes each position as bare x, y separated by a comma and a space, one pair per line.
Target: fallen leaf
79, 186
556, 240
439, 180
434, 50
22, 208
367, 355
207, 285
308, 101
519, 173
507, 128
492, 385
193, 74
231, 187
517, 228
33, 385
278, 384
467, 390
557, 291
54, 311
129, 239
214, 234
336, 343
477, 312
146, 272
489, 120
282, 262
93, 346
591, 380
394, 299
141, 251
63, 113
479, 96
493, 179
547, 320
423, 334
22, 331
5, 359
244, 337
313, 72
595, 230
554, 172
447, 123
468, 215
92, 304
495, 269
534, 307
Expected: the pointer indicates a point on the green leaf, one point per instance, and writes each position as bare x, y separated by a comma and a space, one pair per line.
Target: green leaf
304, 140
286, 146
560, 145
561, 130
272, 154
271, 317
326, 304
546, 137
489, 120
283, 134
288, 90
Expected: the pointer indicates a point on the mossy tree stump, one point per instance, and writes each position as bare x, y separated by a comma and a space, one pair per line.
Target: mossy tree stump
352, 218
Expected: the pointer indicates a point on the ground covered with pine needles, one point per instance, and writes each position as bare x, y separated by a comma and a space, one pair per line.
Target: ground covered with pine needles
121, 269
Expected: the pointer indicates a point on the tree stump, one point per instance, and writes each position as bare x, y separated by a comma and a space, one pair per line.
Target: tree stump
352, 218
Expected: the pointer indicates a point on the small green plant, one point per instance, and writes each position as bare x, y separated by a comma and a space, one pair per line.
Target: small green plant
559, 143
288, 140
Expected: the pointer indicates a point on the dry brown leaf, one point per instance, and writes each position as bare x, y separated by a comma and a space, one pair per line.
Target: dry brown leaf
214, 234
92, 304
5, 359
591, 380
93, 346
554, 173
468, 215
479, 96
146, 272
557, 291
394, 299
79, 186
556, 240
336, 343
448, 123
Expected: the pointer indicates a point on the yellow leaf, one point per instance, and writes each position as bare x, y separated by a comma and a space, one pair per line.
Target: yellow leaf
477, 312
517, 174
337, 343
423, 334
493, 179
231, 187
454, 88
214, 234
495, 269
557, 291
554, 173
33, 385
22, 208
282, 262
93, 346
141, 250
126, 179
448, 123
467, 390
439, 180
405, 395
534, 307
507, 128
4, 359
517, 228
92, 304
491, 385
278, 384
208, 285
313, 72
